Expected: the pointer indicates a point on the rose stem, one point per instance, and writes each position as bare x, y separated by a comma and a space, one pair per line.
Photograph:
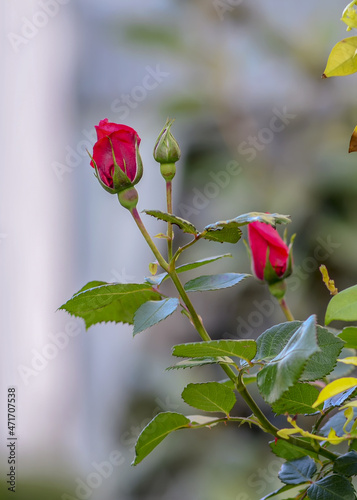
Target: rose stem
169, 225
148, 239
285, 308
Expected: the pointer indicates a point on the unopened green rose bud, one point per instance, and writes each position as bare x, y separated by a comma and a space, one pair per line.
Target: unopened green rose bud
128, 198
166, 148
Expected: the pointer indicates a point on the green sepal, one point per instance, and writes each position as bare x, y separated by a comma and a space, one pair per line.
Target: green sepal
96, 174
271, 277
139, 164
120, 180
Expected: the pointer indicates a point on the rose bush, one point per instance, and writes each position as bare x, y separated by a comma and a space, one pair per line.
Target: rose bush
116, 157
271, 256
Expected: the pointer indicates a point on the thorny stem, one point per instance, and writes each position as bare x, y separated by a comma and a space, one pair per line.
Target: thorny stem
148, 239
226, 419
197, 322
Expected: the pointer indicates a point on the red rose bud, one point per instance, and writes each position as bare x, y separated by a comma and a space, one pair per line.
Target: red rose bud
116, 158
271, 256
167, 152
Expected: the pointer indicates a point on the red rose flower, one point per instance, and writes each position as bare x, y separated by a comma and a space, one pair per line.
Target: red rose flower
116, 157
271, 256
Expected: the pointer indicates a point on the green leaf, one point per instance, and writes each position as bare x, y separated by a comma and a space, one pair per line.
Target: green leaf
214, 282
91, 284
288, 451
242, 220
109, 302
271, 219
159, 278
223, 232
152, 312
284, 370
332, 487
349, 335
342, 60
323, 362
211, 396
229, 231
183, 224
297, 471
156, 431
297, 400
272, 341
191, 363
346, 464
337, 423
343, 306
244, 349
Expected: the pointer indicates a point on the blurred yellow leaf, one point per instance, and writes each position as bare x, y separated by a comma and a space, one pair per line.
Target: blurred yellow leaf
349, 414
349, 15
335, 387
285, 433
353, 142
350, 404
343, 58
333, 438
351, 360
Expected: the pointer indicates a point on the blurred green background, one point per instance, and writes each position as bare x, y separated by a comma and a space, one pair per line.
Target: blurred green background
224, 69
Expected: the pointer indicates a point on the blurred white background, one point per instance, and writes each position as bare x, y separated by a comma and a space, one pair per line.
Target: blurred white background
221, 71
